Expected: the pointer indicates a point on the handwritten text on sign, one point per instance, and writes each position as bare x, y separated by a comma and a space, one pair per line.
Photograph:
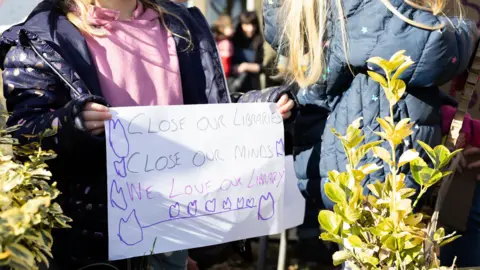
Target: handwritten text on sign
181, 177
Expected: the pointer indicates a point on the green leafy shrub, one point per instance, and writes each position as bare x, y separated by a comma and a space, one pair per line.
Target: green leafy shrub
28, 213
380, 230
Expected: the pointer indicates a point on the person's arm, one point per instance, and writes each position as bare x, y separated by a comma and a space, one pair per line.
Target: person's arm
38, 101
475, 136
474, 163
470, 127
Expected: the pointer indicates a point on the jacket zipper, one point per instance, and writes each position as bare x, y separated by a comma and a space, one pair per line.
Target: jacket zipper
24, 40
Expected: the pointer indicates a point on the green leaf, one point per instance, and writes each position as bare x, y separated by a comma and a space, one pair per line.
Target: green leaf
410, 255
391, 243
329, 221
4, 255
19, 264
22, 253
439, 234
383, 154
350, 214
382, 63
431, 177
333, 175
343, 179
407, 157
449, 240
378, 78
370, 168
340, 257
413, 219
47, 238
358, 175
416, 166
402, 68
385, 125
429, 151
355, 197
376, 188
441, 154
362, 151
404, 205
447, 160
43, 259
354, 136
386, 225
34, 236
335, 193
331, 238
398, 56
407, 192
355, 241
398, 88
369, 259
375, 231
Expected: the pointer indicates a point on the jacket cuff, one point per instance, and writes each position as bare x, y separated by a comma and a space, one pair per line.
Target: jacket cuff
73, 133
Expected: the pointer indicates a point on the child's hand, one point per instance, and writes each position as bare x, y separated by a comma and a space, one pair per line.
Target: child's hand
473, 165
94, 115
285, 106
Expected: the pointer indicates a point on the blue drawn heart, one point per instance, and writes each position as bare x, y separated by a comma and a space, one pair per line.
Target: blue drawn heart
117, 197
209, 204
192, 208
174, 210
266, 207
280, 147
120, 168
227, 204
117, 138
250, 203
130, 231
240, 203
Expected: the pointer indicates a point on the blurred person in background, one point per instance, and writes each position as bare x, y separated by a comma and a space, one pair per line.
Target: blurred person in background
223, 31
248, 56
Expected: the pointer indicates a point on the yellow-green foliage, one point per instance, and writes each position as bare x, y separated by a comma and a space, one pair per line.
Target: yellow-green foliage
28, 212
380, 231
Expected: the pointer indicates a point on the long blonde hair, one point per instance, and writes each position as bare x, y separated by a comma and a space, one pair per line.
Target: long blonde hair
77, 14
305, 31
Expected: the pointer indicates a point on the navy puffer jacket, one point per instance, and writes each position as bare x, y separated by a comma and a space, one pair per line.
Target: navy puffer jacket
340, 97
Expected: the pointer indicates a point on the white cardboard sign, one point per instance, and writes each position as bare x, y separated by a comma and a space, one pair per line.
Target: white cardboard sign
181, 177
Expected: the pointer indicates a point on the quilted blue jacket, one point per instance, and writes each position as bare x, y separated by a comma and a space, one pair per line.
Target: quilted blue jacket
49, 76
340, 97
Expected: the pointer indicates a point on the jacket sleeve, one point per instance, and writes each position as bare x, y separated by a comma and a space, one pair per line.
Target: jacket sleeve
37, 101
447, 52
475, 135
271, 94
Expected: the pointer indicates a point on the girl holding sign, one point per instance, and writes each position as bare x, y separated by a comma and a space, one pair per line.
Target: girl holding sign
71, 60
